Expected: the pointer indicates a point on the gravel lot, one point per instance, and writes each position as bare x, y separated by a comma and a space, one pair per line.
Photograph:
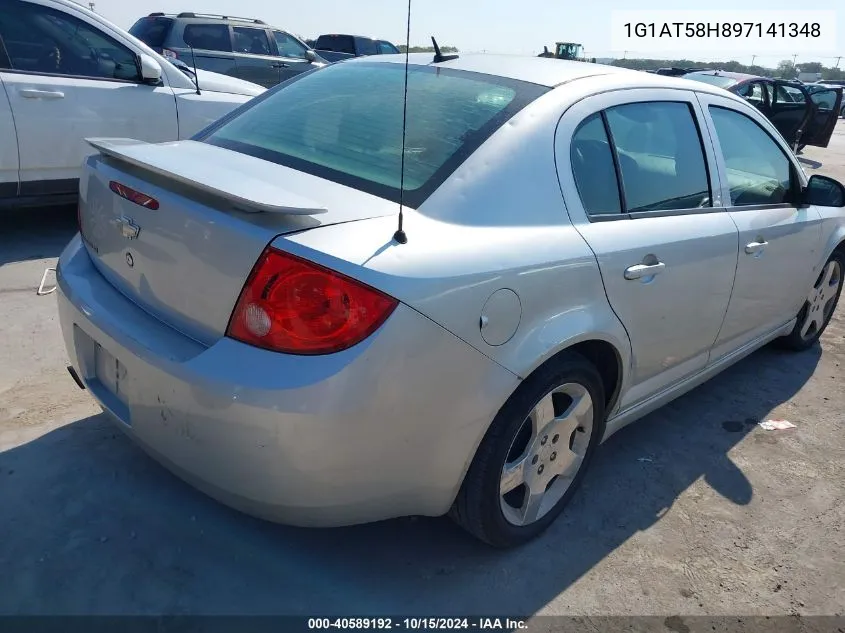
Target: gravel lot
694, 510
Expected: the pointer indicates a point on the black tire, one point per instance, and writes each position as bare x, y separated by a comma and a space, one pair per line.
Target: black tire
477, 507
794, 341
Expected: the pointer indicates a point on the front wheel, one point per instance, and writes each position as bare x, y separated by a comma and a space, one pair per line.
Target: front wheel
819, 305
534, 454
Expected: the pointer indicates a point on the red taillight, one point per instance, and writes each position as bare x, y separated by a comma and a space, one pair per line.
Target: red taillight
294, 306
137, 197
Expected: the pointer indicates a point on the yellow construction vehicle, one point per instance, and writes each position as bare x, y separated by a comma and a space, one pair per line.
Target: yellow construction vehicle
567, 50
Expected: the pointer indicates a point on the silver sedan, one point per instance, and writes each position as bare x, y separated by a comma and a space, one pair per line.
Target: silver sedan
580, 244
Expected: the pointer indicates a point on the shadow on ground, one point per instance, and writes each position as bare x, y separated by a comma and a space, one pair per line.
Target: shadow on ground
35, 233
90, 525
808, 162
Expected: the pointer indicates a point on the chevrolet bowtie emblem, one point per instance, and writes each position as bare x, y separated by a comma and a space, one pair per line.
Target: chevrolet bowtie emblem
128, 228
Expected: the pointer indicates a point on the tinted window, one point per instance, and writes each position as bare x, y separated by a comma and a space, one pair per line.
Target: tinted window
592, 166
152, 31
660, 156
824, 99
753, 93
289, 46
209, 37
336, 43
758, 170
386, 48
788, 94
344, 123
253, 41
43, 40
366, 46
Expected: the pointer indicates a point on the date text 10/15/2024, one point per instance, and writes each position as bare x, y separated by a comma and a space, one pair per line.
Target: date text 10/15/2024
415, 624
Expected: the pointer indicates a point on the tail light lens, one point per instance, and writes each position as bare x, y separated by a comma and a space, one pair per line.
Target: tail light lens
295, 306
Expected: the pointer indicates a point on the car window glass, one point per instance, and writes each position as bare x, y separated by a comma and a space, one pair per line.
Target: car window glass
592, 166
43, 40
209, 37
386, 48
344, 123
660, 156
251, 41
152, 31
788, 94
752, 92
366, 46
824, 99
336, 43
288, 46
758, 170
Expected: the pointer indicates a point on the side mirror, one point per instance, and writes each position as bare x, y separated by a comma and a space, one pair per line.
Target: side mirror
150, 69
822, 191
311, 56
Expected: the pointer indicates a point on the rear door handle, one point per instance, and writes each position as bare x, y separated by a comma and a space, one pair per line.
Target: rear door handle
280, 65
755, 247
643, 270
28, 93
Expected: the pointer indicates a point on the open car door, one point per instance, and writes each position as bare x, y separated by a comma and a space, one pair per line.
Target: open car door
828, 102
791, 110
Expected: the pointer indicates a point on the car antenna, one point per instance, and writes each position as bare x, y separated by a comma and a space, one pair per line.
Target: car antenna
438, 56
196, 74
400, 235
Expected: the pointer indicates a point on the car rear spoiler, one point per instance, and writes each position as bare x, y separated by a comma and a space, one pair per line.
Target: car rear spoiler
242, 190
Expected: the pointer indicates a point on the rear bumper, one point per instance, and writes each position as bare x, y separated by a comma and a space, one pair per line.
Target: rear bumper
384, 429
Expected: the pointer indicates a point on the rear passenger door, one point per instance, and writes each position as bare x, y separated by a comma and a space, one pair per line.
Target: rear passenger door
790, 112
254, 56
641, 188
778, 240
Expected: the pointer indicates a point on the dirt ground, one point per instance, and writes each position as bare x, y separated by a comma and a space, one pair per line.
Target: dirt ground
694, 510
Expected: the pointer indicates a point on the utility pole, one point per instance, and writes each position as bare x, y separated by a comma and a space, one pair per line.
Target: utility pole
91, 6
624, 54
753, 57
794, 57
837, 61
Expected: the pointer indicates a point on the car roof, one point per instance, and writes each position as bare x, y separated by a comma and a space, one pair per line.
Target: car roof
724, 73
544, 71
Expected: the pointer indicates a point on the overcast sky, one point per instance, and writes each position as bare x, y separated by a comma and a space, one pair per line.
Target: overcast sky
500, 26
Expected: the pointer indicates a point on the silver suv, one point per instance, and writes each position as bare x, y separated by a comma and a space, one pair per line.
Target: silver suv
245, 48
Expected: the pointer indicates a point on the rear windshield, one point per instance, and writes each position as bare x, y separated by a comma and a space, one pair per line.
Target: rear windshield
716, 80
336, 43
344, 123
152, 31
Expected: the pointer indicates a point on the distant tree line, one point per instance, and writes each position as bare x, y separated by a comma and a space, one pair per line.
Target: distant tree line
784, 70
426, 49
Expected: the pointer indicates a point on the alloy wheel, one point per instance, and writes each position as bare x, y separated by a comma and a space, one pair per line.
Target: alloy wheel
546, 454
822, 300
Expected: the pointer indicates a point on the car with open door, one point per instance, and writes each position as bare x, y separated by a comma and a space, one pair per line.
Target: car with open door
388, 289
803, 115
67, 73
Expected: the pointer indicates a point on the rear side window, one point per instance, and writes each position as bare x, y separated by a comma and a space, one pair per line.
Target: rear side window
758, 170
366, 46
152, 31
344, 123
336, 43
209, 37
592, 166
640, 157
660, 156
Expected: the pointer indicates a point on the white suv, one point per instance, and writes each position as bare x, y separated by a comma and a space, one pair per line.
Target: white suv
67, 74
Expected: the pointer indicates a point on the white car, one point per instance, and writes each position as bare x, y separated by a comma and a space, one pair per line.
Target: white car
66, 74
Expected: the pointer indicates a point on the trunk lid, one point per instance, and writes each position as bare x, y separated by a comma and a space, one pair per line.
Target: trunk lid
186, 261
